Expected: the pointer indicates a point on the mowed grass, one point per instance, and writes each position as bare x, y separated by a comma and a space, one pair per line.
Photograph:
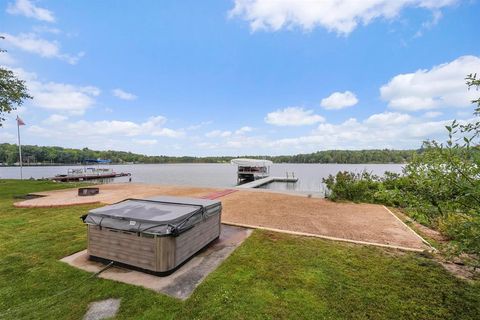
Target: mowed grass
271, 276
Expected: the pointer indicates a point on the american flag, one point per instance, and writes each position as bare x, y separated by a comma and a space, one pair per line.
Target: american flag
20, 121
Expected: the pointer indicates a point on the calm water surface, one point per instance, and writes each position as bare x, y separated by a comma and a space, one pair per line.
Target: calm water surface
212, 175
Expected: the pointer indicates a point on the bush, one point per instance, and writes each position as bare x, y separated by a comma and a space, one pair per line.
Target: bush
357, 187
439, 188
463, 230
366, 187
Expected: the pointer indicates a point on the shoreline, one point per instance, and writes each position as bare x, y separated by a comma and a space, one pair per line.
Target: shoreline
198, 163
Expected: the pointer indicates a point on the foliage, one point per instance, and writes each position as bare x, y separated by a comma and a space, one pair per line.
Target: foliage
463, 230
349, 156
58, 155
474, 82
446, 179
357, 187
439, 187
12, 92
270, 276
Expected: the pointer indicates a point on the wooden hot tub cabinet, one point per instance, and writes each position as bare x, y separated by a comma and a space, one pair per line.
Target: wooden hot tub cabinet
158, 252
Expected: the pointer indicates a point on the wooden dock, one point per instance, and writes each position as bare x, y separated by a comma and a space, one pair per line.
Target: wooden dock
261, 182
85, 177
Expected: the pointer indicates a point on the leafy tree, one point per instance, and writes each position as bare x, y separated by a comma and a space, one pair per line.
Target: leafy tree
472, 130
12, 93
357, 187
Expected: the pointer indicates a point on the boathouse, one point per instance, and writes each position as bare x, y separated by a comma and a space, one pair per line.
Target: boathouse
251, 169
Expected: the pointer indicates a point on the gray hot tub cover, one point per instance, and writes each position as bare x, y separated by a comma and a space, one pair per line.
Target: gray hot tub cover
157, 215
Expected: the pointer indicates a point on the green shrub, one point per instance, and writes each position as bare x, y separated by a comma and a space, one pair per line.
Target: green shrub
357, 187
463, 230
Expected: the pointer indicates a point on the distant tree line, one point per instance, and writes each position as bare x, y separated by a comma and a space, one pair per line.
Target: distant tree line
349, 156
59, 155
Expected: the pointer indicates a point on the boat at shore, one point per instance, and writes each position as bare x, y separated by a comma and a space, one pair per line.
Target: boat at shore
89, 173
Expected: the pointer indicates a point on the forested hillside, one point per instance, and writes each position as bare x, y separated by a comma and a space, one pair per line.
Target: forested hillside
59, 155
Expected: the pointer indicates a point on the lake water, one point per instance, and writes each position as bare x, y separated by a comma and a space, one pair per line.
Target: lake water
213, 175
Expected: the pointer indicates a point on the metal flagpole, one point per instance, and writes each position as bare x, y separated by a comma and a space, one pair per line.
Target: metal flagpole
20, 150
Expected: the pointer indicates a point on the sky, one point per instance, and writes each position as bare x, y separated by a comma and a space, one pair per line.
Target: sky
244, 77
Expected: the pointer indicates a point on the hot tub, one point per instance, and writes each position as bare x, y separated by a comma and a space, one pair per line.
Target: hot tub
156, 234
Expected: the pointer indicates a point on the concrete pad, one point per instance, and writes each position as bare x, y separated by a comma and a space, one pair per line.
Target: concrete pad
182, 282
102, 309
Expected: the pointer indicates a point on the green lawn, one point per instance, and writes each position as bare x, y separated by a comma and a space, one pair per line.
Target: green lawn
272, 276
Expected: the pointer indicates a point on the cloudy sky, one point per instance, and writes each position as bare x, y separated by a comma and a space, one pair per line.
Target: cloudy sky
239, 77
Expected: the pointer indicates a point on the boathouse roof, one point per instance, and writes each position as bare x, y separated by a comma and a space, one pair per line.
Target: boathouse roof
244, 162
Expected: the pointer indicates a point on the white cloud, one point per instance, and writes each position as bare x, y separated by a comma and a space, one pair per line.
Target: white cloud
105, 127
145, 142
119, 93
464, 113
293, 116
155, 126
383, 130
388, 118
427, 25
28, 9
198, 125
63, 97
6, 59
102, 129
340, 16
169, 133
55, 118
59, 97
239, 133
237, 142
30, 42
339, 100
218, 133
46, 29
440, 87
243, 130
7, 137
154, 122
432, 114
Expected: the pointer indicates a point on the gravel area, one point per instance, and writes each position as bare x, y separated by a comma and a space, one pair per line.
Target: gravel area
359, 222
259, 208
110, 193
